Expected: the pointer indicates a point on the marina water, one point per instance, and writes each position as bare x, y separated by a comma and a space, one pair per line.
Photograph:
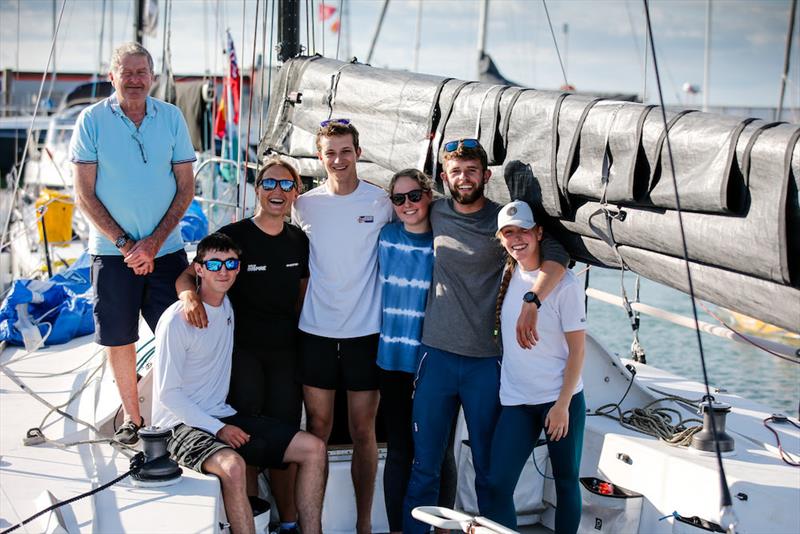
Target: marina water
739, 369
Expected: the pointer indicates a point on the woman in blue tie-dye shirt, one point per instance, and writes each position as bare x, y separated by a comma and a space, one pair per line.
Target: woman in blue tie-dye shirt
405, 259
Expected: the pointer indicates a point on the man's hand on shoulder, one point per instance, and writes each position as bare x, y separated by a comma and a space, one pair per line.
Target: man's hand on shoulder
141, 256
527, 335
233, 436
193, 310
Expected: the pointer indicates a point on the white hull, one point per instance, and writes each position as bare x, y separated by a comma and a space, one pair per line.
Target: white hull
669, 478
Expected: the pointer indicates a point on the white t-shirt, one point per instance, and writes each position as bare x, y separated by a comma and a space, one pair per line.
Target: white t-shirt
192, 372
344, 295
535, 376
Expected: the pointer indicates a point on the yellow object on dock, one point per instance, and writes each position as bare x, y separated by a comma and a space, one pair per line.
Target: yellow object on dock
57, 216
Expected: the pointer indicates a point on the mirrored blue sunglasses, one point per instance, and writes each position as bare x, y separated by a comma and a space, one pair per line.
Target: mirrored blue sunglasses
343, 122
214, 265
452, 146
268, 184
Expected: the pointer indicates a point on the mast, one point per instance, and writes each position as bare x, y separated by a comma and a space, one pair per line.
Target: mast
288, 29
377, 31
417, 38
786, 55
482, 24
138, 22
55, 69
707, 57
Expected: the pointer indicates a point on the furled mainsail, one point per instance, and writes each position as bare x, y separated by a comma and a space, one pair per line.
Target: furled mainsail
577, 159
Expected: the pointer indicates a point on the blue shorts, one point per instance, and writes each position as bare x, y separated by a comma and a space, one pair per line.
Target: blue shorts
120, 295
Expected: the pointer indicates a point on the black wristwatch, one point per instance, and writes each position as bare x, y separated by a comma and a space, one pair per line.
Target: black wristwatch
122, 240
530, 296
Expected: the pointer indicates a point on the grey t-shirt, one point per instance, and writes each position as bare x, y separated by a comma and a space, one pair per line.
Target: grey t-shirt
467, 268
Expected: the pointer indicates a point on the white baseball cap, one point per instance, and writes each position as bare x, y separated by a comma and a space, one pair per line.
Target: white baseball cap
516, 213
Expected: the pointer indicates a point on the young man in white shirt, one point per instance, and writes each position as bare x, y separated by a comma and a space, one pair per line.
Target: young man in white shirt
341, 314
190, 385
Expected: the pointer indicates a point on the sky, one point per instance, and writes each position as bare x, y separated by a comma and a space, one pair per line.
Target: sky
603, 48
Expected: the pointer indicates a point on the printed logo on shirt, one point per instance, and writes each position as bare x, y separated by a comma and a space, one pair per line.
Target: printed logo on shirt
229, 320
366, 219
295, 264
251, 268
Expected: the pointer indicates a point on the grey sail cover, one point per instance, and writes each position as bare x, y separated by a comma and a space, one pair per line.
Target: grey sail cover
597, 171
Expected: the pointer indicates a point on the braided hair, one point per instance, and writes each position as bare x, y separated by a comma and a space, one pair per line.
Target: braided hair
508, 271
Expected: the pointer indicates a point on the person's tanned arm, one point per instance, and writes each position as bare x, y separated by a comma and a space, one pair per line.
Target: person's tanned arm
186, 289
554, 265
146, 249
85, 180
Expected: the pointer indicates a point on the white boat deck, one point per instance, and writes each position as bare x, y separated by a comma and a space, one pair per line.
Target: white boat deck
670, 478
26, 472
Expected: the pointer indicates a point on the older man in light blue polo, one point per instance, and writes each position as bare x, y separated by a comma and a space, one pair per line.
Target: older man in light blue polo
132, 161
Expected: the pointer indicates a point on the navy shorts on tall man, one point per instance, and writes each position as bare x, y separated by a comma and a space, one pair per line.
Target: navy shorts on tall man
120, 295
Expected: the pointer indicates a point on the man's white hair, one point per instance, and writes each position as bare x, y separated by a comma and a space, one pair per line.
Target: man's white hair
129, 49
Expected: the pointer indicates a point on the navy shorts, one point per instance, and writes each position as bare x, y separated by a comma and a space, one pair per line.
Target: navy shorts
331, 363
263, 382
120, 295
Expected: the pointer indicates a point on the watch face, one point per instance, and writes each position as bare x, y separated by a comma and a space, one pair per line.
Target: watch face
529, 296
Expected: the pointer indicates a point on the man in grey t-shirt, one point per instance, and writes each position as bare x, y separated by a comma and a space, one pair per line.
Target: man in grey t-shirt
460, 362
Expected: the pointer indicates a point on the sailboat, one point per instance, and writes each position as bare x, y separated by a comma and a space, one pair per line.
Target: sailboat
599, 171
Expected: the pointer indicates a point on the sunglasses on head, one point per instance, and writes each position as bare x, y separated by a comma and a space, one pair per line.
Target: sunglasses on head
214, 265
343, 122
398, 199
452, 146
268, 184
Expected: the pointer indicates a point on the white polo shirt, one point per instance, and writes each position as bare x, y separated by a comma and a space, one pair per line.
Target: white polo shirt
343, 299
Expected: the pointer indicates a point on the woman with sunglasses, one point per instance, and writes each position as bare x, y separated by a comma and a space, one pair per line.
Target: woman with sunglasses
266, 301
405, 263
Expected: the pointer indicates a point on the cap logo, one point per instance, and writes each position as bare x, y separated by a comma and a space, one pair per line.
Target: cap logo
512, 210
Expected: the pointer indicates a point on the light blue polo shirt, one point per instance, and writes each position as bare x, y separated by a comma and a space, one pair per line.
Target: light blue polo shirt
135, 181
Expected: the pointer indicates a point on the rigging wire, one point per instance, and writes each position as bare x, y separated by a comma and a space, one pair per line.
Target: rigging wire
727, 516
747, 338
555, 42
271, 41
637, 47
16, 172
313, 29
241, 181
264, 62
111, 27
339, 31
100, 48
215, 81
250, 108
308, 36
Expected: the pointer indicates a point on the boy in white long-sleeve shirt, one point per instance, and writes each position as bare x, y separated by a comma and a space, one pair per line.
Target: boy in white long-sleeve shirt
191, 380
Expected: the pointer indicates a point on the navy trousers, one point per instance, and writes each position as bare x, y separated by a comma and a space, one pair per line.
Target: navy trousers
515, 436
444, 381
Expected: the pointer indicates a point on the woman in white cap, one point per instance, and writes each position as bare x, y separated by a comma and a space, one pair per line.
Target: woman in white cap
540, 387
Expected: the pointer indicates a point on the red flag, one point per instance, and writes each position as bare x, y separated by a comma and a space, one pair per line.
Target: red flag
233, 81
326, 11
335, 26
